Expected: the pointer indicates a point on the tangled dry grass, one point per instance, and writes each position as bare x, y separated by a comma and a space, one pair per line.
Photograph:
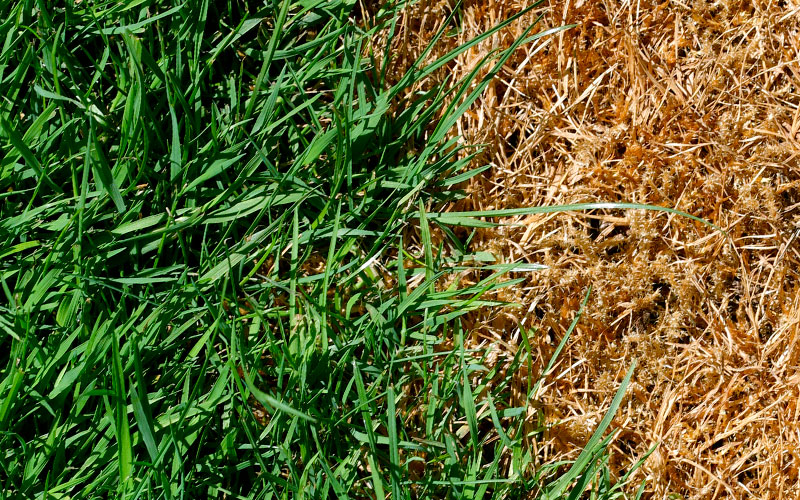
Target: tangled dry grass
693, 105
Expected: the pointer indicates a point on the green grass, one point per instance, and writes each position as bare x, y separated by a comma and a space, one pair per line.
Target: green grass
200, 204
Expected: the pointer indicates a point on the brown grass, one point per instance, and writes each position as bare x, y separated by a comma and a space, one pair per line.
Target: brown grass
693, 105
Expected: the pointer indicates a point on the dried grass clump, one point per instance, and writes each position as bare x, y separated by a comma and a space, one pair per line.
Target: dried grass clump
693, 105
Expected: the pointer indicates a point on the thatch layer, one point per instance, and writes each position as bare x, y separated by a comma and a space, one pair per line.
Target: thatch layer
691, 105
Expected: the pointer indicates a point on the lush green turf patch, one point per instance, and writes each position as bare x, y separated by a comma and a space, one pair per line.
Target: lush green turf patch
203, 272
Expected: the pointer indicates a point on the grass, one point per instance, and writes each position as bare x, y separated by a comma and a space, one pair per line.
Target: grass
689, 106
206, 287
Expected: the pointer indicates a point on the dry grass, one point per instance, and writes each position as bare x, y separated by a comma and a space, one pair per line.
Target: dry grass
690, 105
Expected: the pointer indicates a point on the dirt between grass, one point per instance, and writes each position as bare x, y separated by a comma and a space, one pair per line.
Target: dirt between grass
691, 105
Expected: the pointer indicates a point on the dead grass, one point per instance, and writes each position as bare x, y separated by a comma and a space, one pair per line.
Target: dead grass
690, 105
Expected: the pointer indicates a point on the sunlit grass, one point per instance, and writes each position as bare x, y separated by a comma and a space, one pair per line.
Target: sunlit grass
200, 208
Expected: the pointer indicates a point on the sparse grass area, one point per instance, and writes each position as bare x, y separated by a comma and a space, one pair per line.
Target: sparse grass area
691, 105
206, 287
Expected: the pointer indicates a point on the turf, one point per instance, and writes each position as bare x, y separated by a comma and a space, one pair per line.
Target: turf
688, 105
208, 287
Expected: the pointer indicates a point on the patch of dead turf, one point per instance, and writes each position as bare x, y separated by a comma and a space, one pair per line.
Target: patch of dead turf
690, 105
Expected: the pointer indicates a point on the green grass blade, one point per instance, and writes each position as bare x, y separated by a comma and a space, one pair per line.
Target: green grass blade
592, 447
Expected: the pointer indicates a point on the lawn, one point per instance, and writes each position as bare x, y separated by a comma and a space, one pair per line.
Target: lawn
209, 289
331, 249
688, 105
